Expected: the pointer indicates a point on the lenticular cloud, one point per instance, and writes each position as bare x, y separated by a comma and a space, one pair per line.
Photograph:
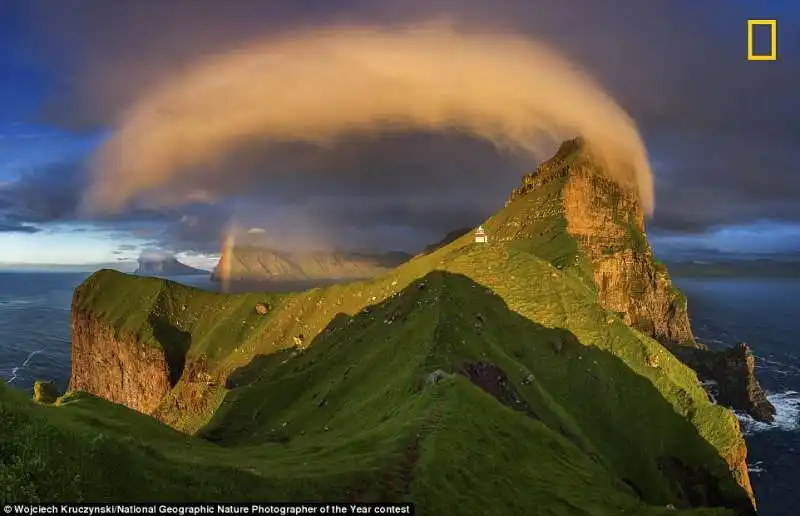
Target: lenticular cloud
318, 85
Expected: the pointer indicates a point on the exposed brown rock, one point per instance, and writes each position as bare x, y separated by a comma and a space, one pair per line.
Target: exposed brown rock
732, 372
607, 221
117, 368
622, 263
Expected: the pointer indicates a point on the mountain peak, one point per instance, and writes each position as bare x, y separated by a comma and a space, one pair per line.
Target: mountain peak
570, 146
604, 223
574, 156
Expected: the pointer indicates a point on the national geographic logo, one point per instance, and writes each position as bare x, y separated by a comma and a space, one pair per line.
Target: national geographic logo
753, 40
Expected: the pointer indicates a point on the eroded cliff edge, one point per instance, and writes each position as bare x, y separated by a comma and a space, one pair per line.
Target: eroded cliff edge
131, 367
607, 222
116, 367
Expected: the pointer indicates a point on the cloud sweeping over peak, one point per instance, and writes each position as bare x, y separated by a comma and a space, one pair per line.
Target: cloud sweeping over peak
318, 86
324, 123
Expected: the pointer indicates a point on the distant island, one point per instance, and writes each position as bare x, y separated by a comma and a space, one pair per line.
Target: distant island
164, 266
248, 262
741, 268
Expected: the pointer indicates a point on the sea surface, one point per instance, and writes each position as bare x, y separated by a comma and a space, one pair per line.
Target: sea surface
764, 313
34, 344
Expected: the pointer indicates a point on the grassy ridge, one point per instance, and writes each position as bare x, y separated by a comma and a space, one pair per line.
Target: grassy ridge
355, 401
482, 377
360, 422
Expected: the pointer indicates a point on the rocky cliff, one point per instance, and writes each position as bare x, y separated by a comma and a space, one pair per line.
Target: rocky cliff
608, 223
116, 367
730, 378
135, 365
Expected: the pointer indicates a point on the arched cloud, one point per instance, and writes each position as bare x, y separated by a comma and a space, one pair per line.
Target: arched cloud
318, 85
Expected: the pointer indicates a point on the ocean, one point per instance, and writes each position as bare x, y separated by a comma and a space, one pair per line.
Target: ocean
764, 313
34, 344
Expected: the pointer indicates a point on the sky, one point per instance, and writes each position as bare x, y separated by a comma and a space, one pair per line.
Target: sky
87, 86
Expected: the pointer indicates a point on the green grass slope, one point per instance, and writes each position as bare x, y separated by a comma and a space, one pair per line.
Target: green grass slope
351, 415
477, 379
354, 416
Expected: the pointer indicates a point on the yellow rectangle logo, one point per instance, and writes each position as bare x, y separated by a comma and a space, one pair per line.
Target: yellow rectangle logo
773, 55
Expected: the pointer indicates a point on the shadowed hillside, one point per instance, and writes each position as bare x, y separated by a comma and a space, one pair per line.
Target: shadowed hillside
461, 385
500, 378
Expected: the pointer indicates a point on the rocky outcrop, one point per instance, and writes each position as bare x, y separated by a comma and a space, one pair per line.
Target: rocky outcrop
628, 278
729, 376
607, 221
45, 392
116, 366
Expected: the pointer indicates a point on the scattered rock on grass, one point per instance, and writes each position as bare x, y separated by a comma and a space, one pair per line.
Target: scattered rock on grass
262, 308
45, 392
435, 377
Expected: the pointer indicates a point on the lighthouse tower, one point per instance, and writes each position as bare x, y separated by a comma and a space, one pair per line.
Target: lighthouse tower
480, 235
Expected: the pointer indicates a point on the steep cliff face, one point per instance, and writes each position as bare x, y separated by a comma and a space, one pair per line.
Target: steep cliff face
116, 367
608, 223
126, 347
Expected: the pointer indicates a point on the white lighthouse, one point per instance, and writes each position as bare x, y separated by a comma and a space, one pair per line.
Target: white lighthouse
480, 235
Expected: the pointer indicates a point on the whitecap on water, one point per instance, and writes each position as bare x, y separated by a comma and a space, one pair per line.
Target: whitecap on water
24, 364
787, 416
14, 303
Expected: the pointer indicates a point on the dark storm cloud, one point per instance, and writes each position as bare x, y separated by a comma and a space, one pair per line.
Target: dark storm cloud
13, 227
726, 178
722, 131
52, 194
45, 195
